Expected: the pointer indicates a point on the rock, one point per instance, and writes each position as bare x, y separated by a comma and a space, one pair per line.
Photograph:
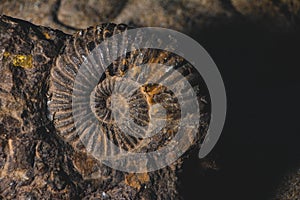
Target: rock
35, 162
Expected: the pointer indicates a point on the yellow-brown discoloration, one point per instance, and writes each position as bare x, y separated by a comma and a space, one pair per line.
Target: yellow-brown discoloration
135, 70
151, 91
5, 170
159, 58
124, 63
24, 61
47, 36
86, 165
106, 33
136, 180
6, 54
21, 175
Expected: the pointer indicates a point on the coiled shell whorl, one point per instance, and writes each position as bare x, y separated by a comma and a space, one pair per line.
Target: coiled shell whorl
150, 111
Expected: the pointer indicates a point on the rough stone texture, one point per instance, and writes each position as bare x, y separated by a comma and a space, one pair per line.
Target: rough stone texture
190, 16
290, 187
82, 14
181, 15
30, 167
35, 162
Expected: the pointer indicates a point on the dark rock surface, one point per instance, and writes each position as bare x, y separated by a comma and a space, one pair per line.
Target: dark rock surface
35, 162
182, 15
256, 47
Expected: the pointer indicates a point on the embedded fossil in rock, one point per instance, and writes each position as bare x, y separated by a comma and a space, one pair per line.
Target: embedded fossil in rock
103, 97
53, 168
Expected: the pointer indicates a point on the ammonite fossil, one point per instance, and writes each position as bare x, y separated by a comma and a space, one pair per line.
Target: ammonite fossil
134, 103
33, 58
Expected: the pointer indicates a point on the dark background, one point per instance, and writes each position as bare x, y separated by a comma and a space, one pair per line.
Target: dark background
260, 140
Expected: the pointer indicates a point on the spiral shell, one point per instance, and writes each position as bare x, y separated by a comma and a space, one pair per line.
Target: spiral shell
130, 102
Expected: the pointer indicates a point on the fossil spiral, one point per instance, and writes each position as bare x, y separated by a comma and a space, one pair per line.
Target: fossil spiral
134, 101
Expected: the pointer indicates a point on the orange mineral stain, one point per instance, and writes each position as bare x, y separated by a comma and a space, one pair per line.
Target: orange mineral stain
136, 180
